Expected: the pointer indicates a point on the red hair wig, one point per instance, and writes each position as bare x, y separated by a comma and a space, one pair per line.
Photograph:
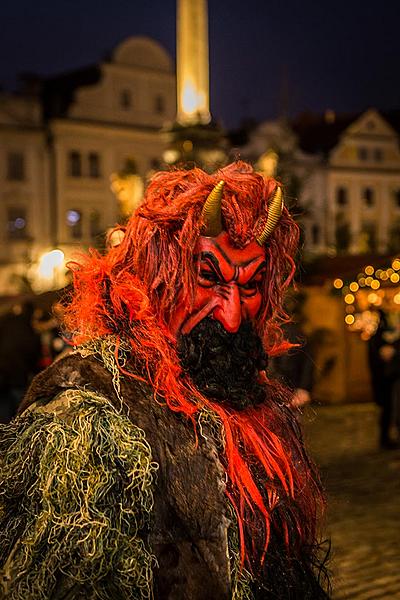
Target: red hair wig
130, 293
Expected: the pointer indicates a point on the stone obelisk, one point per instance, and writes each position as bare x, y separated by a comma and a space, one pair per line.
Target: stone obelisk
194, 138
192, 63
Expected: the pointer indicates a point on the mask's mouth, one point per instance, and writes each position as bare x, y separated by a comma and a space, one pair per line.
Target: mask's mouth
224, 366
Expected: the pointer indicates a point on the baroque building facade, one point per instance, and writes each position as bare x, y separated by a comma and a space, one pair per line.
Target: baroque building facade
63, 145
342, 173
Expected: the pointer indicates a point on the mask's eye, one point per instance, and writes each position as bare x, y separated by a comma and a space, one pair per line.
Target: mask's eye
250, 285
208, 278
253, 286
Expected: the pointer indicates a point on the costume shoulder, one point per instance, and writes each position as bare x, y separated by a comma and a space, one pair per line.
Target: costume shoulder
76, 492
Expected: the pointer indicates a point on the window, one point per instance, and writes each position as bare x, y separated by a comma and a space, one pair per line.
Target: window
394, 237
363, 153
159, 104
341, 196
16, 223
94, 165
74, 164
369, 230
342, 236
368, 196
315, 234
125, 99
378, 154
15, 166
94, 224
74, 222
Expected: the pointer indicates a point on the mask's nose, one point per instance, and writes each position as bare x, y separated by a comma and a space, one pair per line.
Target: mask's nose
229, 310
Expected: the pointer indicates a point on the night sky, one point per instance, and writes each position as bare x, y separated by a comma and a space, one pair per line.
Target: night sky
266, 56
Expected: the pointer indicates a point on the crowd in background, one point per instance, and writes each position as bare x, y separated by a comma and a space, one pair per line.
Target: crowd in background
29, 342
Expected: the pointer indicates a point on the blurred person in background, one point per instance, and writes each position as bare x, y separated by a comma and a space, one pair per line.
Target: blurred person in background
296, 367
384, 364
20, 351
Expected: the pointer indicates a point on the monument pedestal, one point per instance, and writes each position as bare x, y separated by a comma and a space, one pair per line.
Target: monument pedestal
201, 145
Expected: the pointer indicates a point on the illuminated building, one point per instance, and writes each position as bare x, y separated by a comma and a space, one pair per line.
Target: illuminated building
62, 141
344, 172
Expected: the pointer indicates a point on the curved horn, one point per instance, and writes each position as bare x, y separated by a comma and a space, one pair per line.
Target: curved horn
211, 213
274, 213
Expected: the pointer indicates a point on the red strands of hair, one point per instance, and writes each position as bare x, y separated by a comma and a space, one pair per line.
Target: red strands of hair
131, 291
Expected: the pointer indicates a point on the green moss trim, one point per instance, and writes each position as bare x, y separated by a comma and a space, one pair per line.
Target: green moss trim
76, 495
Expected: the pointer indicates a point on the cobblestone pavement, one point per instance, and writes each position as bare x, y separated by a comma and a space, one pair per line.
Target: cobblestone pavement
363, 487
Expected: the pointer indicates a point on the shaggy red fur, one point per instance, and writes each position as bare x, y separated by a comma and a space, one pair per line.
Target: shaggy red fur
131, 291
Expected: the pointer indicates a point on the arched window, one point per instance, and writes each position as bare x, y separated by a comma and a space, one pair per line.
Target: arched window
75, 164
94, 165
341, 196
368, 196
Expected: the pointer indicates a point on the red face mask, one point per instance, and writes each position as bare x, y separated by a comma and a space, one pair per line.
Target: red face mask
228, 285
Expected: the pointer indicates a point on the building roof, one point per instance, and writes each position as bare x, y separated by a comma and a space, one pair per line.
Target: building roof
58, 92
320, 133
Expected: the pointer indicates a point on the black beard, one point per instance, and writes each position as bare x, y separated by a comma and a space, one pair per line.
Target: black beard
224, 366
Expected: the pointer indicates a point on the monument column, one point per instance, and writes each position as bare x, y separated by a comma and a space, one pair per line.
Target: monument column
192, 63
194, 137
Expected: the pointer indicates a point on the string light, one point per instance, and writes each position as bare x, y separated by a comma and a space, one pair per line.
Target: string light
357, 315
395, 278
396, 264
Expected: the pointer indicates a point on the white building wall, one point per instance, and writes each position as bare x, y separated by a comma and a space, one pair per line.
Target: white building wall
96, 122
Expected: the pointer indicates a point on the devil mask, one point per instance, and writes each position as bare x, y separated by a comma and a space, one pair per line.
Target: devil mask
229, 279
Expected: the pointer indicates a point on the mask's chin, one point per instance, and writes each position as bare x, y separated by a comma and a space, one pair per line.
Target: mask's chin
224, 366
